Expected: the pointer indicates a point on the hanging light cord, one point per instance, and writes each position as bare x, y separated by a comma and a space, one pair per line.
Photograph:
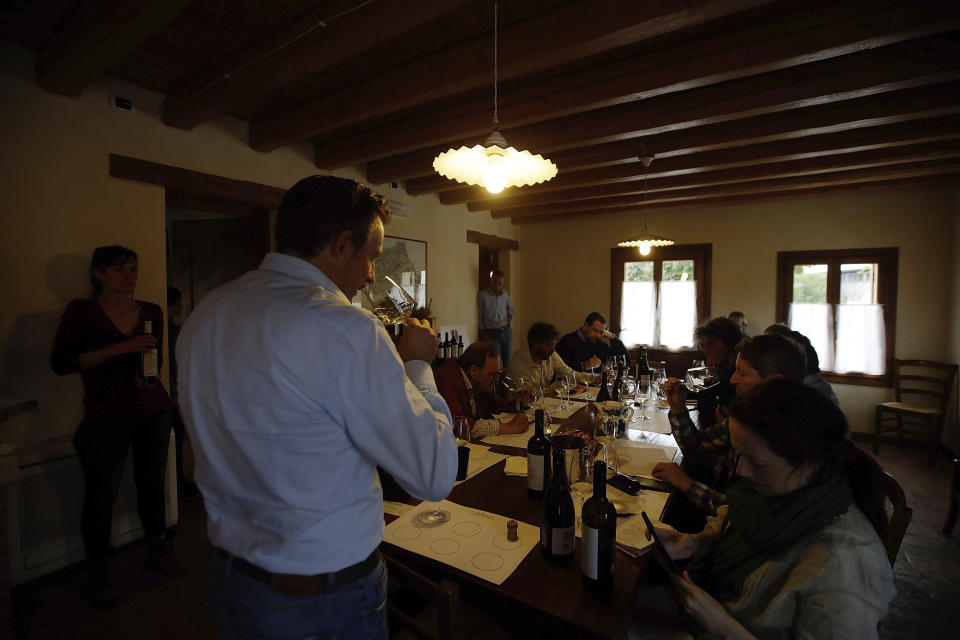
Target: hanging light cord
229, 74
496, 121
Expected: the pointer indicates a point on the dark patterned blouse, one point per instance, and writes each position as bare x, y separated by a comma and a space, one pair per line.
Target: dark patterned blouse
109, 393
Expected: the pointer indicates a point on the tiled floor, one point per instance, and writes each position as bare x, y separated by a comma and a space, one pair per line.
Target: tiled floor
927, 571
927, 577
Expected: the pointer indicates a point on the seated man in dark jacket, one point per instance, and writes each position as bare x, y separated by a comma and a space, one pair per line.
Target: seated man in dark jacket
466, 383
583, 349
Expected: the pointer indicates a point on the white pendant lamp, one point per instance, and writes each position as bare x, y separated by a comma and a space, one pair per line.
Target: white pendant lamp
494, 165
646, 240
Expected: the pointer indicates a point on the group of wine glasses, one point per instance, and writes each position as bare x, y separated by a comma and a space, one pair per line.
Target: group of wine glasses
580, 471
567, 381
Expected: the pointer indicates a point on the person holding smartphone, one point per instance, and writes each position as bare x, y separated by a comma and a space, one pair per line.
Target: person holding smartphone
797, 550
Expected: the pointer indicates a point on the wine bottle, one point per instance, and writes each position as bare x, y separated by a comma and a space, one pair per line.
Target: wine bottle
440, 358
557, 535
643, 368
604, 393
538, 459
459, 346
149, 360
599, 536
446, 345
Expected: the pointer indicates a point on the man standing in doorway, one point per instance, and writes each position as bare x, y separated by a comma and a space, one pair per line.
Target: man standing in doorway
496, 312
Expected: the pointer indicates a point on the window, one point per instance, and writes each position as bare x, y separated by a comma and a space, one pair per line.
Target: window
845, 302
657, 300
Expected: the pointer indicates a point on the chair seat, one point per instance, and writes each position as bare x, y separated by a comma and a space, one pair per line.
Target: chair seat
903, 407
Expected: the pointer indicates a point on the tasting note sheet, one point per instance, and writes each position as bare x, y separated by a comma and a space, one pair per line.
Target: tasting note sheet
471, 540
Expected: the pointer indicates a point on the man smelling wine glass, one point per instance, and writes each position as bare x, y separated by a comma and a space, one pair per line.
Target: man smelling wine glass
294, 552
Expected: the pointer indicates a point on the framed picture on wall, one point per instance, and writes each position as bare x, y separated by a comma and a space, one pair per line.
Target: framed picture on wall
405, 261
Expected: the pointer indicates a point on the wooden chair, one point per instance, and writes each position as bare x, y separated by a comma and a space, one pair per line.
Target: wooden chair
444, 597
925, 380
899, 518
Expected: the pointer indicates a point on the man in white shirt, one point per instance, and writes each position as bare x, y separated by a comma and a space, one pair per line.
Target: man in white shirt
495, 312
292, 397
539, 363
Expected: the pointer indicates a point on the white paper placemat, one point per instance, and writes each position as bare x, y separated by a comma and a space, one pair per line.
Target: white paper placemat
472, 540
659, 421
518, 440
552, 405
639, 458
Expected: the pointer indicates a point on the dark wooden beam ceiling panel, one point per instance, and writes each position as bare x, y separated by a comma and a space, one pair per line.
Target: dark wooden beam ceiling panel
262, 67
577, 31
97, 36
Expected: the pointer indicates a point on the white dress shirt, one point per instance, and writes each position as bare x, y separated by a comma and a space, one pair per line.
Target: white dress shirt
292, 396
522, 365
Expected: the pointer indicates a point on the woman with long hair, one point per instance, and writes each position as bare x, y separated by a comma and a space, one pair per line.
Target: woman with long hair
798, 549
102, 338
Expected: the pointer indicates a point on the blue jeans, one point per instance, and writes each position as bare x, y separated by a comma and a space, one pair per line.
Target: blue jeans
503, 339
246, 609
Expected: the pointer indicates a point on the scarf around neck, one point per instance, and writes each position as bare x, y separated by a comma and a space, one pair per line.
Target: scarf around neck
758, 528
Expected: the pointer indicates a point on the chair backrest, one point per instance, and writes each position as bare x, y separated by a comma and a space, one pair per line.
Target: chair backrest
924, 378
445, 595
899, 519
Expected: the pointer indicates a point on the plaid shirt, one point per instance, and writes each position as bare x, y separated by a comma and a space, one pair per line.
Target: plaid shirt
709, 448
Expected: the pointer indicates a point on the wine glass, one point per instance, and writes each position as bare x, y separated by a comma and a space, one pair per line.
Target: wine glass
643, 388
567, 381
700, 378
389, 301
580, 472
461, 430
658, 377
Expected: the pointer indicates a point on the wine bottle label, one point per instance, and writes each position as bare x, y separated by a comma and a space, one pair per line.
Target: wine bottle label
562, 543
589, 552
535, 472
150, 361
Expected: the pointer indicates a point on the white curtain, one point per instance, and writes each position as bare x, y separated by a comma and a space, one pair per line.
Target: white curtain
678, 313
815, 321
861, 341
637, 310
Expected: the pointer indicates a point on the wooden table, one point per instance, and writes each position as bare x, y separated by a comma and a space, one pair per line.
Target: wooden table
545, 598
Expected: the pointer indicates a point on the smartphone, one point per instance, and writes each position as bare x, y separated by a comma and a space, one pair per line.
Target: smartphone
660, 551
633, 486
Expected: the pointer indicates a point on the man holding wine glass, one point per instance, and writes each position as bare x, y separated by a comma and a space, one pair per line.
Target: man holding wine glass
467, 384
708, 450
292, 397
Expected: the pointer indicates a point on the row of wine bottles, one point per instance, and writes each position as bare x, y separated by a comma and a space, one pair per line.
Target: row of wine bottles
557, 528
448, 347
613, 393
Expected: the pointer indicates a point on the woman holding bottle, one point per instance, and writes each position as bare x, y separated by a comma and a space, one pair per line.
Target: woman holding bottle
108, 338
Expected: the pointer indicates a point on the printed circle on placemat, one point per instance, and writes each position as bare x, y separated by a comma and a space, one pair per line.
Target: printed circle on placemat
444, 546
487, 561
406, 533
466, 529
502, 542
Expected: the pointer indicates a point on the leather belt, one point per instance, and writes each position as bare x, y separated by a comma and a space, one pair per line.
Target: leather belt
293, 584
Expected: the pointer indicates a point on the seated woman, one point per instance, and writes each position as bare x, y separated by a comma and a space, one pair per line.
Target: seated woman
797, 551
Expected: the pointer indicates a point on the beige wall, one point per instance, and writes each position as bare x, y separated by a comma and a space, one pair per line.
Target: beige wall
952, 436
59, 202
573, 259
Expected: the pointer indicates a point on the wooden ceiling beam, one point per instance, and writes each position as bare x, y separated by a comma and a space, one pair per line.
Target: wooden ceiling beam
747, 178
832, 144
732, 55
97, 36
567, 34
871, 73
288, 55
933, 180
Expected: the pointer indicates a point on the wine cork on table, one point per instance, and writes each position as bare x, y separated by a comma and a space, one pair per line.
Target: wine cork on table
512, 530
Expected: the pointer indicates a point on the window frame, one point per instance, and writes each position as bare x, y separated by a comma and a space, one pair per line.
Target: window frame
701, 254
887, 260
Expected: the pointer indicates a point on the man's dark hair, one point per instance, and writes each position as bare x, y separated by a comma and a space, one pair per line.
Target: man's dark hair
110, 256
173, 295
594, 316
497, 273
772, 355
722, 329
541, 332
317, 209
803, 342
477, 354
